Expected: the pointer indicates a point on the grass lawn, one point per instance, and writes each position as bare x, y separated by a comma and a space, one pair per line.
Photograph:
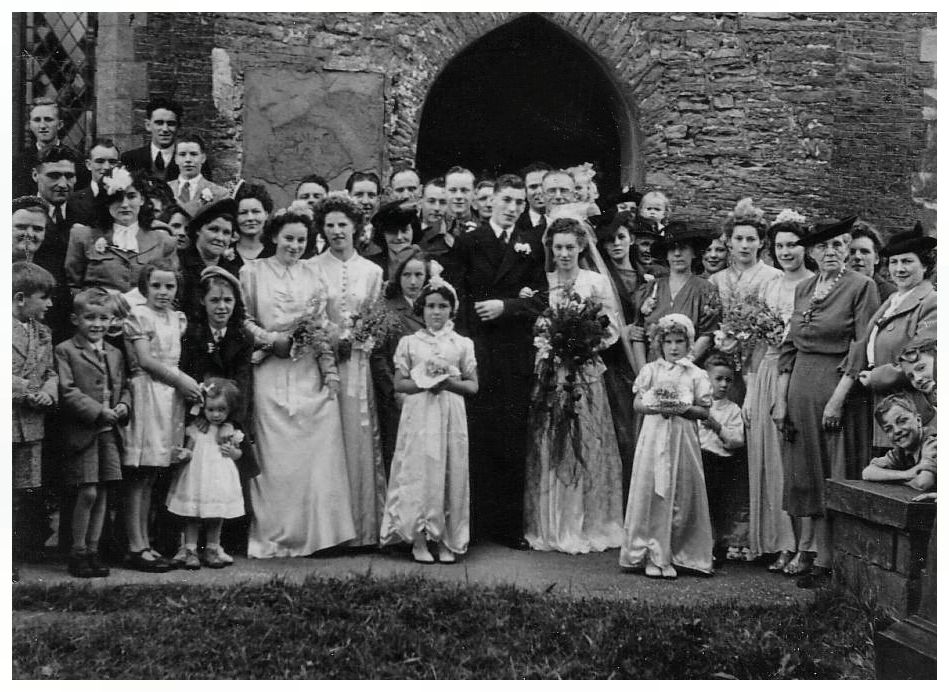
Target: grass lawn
412, 628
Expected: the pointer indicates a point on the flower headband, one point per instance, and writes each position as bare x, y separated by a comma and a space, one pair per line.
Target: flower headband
436, 281
675, 322
789, 216
117, 181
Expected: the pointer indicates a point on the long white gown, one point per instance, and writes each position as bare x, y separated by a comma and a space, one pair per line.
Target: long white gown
573, 503
300, 500
351, 285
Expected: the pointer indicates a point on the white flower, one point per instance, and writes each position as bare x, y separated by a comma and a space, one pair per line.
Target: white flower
206, 195
522, 248
470, 226
648, 277
117, 181
100, 245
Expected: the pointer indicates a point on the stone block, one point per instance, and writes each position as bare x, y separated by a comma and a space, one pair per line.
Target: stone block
927, 45
906, 651
881, 503
895, 593
869, 542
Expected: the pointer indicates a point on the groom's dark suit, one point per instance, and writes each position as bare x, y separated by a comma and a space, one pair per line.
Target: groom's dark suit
497, 415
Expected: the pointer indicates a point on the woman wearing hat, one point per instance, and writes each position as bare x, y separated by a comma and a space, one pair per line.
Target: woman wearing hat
910, 311
832, 310
211, 231
396, 230
125, 237
681, 291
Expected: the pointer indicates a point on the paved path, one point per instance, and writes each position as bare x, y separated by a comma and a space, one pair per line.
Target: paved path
596, 574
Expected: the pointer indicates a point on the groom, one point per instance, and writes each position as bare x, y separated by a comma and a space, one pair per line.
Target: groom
497, 261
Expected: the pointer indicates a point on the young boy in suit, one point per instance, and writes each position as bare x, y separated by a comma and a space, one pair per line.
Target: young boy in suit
34, 393
191, 189
94, 399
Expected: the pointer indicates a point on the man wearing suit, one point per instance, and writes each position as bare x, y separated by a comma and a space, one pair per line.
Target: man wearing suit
55, 177
497, 262
162, 120
45, 125
534, 215
192, 191
102, 157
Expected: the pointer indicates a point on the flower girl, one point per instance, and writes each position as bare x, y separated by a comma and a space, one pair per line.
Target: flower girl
667, 518
427, 498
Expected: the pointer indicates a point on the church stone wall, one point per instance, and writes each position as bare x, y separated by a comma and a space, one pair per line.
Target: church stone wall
827, 113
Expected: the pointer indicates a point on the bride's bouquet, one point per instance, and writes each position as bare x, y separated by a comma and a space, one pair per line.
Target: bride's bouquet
747, 320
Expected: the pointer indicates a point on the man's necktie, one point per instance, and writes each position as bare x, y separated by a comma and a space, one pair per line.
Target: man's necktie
58, 217
507, 237
185, 195
159, 162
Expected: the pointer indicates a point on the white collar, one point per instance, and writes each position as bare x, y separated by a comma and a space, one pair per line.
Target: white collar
94, 186
535, 217
167, 154
53, 207
194, 181
498, 231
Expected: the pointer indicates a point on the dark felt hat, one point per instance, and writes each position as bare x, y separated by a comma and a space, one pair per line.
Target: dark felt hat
822, 232
647, 227
915, 240
396, 215
209, 212
678, 233
628, 194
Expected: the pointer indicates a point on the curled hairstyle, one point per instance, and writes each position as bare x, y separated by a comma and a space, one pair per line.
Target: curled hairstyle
663, 328
258, 192
216, 387
717, 359
441, 289
510, 180
33, 203
103, 200
165, 104
285, 217
745, 213
565, 225
30, 279
343, 205
316, 180
359, 176
899, 399
55, 154
393, 287
158, 265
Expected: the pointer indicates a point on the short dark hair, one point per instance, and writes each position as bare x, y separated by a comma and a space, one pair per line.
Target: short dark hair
535, 167
508, 180
254, 191
280, 220
484, 182
93, 296
157, 265
191, 137
30, 279
454, 170
315, 179
864, 229
55, 154
359, 176
717, 359
163, 103
403, 168
437, 181
105, 142
428, 290
565, 225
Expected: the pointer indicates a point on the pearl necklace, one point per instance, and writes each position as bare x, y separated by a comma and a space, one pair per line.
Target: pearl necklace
819, 295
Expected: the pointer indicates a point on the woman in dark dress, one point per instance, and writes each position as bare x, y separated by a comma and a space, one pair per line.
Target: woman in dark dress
400, 294
396, 231
832, 310
210, 231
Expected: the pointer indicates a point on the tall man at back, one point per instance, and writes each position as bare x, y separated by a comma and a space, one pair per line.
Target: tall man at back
497, 262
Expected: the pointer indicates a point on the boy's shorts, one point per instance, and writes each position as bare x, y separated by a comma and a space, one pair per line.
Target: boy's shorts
27, 465
100, 462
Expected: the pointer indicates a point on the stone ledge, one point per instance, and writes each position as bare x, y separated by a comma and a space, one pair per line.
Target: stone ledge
880, 503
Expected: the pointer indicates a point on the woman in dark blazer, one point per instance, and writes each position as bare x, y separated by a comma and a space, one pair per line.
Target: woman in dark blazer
210, 231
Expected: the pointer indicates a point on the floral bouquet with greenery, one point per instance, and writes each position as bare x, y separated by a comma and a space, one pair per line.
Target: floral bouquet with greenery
747, 320
363, 329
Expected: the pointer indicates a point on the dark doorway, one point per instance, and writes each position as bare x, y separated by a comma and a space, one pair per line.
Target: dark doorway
526, 91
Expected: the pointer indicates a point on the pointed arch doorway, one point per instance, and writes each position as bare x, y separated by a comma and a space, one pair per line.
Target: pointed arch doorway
526, 91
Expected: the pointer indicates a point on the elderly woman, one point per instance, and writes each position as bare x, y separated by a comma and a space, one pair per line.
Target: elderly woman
400, 294
301, 497
353, 283
910, 311
30, 216
572, 499
210, 231
112, 254
832, 310
865, 253
396, 230
681, 292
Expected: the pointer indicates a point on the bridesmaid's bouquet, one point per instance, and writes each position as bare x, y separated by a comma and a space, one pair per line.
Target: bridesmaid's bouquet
747, 320
434, 370
364, 329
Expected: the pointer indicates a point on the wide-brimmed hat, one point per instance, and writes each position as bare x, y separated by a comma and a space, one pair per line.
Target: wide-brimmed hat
628, 194
209, 212
679, 233
822, 232
646, 227
395, 215
915, 240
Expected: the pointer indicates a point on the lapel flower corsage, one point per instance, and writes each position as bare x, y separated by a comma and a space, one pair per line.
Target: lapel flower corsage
206, 195
100, 245
522, 248
470, 226
229, 254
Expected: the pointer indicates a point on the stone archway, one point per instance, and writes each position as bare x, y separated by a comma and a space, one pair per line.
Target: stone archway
527, 90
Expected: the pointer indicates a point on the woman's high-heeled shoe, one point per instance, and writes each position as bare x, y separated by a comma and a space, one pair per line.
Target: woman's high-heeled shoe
801, 564
784, 557
420, 552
